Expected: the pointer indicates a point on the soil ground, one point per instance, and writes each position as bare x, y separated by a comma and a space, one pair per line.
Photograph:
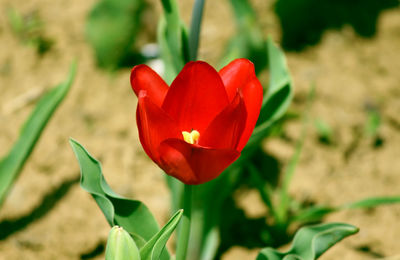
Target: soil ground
349, 73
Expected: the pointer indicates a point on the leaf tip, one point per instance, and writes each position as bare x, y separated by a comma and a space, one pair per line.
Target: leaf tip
180, 212
73, 143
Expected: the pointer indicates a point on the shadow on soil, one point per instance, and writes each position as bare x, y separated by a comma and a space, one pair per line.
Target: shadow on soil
49, 201
303, 22
92, 253
238, 229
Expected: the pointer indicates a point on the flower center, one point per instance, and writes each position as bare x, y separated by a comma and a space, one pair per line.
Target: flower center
191, 137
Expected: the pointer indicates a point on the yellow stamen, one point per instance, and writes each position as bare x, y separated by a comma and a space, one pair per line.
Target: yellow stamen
191, 137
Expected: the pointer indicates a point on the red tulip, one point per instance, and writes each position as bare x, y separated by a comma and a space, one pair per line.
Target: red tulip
197, 127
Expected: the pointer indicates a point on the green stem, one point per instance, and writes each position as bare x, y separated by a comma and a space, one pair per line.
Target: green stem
184, 232
195, 28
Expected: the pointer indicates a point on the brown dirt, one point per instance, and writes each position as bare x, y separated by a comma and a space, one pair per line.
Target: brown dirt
100, 113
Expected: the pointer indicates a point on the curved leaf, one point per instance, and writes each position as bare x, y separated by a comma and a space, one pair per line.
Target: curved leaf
279, 72
12, 164
311, 242
280, 89
279, 94
153, 248
132, 215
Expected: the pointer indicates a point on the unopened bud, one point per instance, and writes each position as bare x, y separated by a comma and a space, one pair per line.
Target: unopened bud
121, 246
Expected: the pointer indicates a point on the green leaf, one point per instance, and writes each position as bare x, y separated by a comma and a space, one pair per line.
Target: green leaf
171, 53
279, 72
249, 41
153, 248
111, 29
371, 202
279, 94
12, 164
312, 214
311, 242
172, 38
120, 245
317, 213
195, 28
132, 215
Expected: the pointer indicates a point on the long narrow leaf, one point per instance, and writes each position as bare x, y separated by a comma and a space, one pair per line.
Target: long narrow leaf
311, 242
132, 215
153, 248
173, 40
317, 213
371, 202
12, 164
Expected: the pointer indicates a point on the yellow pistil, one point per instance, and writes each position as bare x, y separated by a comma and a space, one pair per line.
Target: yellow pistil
191, 137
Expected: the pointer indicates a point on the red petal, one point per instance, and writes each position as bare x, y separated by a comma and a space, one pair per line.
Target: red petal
236, 75
225, 130
240, 74
154, 126
252, 96
196, 96
144, 78
193, 164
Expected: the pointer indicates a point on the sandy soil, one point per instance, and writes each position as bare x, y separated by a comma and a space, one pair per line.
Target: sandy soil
349, 72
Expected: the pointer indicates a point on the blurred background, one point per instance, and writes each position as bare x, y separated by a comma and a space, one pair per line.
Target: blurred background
348, 50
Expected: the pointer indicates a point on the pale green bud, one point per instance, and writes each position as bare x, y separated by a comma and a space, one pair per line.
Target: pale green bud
121, 246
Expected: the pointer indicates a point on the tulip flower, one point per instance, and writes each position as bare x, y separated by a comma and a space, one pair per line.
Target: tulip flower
198, 126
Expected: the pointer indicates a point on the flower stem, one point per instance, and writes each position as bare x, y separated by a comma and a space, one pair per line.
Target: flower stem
195, 27
184, 232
